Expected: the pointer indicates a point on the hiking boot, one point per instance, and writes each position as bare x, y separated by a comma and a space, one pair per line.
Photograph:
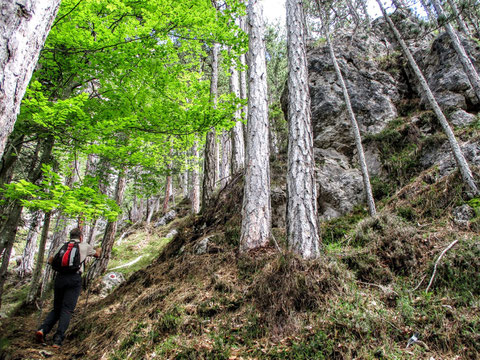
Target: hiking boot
39, 336
57, 342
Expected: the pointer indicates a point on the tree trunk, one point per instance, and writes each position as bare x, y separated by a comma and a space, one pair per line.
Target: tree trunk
34, 285
462, 54
211, 151
225, 160
457, 152
461, 24
195, 191
238, 143
356, 132
24, 26
243, 82
302, 223
363, 3
28, 256
168, 187
256, 209
99, 266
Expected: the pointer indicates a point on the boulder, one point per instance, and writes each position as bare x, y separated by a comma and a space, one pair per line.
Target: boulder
110, 281
171, 234
463, 214
167, 218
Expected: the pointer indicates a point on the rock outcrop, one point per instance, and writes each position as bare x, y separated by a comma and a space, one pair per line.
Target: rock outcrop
381, 88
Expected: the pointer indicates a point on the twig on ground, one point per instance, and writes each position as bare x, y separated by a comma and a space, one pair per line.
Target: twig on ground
420, 283
276, 244
436, 264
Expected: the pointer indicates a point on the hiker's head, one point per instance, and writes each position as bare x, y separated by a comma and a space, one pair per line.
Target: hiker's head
75, 233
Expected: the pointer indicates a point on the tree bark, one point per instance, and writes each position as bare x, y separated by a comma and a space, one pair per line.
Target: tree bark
302, 223
462, 54
457, 152
28, 256
24, 26
243, 82
256, 209
226, 142
99, 266
211, 151
238, 143
356, 132
34, 285
195, 191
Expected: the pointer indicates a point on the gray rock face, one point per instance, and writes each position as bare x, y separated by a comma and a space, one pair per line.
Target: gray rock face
110, 281
165, 219
462, 118
444, 73
204, 246
373, 94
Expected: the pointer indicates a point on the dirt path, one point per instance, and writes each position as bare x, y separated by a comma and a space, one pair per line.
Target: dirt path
20, 330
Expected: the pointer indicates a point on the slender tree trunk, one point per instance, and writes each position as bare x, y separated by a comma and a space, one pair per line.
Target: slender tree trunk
461, 24
457, 152
356, 132
302, 223
35, 285
28, 256
99, 266
24, 26
353, 12
166, 199
9, 159
462, 54
211, 151
256, 209
195, 190
238, 143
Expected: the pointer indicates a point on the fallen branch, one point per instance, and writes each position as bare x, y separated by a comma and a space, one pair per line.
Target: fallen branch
436, 264
128, 264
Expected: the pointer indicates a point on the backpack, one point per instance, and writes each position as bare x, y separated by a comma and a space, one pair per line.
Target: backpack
67, 259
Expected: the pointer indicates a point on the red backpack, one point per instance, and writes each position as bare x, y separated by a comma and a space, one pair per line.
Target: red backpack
67, 259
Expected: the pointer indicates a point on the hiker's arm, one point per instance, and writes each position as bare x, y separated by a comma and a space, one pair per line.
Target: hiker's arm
98, 250
50, 260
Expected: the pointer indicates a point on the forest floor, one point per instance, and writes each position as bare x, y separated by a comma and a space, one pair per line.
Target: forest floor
363, 300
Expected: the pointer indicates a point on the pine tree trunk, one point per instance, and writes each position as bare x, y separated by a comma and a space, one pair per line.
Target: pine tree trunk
238, 143
457, 152
226, 142
356, 132
28, 256
461, 24
462, 54
211, 151
256, 209
24, 26
243, 83
302, 223
34, 285
99, 266
195, 191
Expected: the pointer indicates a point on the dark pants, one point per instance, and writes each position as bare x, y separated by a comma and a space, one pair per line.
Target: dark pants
67, 291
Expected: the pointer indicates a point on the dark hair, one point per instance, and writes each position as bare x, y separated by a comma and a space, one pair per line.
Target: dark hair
75, 233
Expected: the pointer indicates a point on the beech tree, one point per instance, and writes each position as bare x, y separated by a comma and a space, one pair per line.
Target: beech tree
211, 147
24, 26
302, 223
256, 208
457, 152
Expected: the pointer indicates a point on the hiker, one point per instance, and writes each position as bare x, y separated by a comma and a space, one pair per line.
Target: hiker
67, 260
